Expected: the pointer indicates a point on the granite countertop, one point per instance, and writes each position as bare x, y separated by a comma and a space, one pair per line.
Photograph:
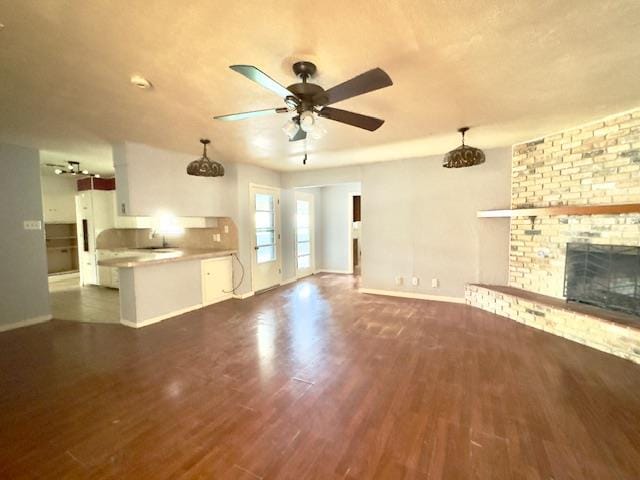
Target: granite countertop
165, 255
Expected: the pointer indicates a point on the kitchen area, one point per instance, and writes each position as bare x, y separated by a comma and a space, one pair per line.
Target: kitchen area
131, 269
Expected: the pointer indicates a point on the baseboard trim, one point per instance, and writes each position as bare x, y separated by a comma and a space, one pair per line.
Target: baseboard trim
341, 272
417, 296
26, 323
242, 296
159, 318
289, 280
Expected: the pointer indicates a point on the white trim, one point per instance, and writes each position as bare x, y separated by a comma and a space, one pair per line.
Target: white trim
418, 296
160, 318
342, 272
292, 279
26, 323
242, 296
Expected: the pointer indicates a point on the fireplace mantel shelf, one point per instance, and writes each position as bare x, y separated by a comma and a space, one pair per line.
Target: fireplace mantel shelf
611, 209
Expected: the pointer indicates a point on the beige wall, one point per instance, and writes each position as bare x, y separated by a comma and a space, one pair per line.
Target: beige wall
597, 163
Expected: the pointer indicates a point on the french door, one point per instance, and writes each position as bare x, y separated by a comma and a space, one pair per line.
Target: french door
265, 258
304, 234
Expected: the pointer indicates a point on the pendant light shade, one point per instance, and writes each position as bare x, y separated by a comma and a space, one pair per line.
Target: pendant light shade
203, 167
464, 155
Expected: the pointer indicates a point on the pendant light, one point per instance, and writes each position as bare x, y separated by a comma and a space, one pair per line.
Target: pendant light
203, 167
464, 155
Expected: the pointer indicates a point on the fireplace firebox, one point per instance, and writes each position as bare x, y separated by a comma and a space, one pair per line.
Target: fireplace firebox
606, 276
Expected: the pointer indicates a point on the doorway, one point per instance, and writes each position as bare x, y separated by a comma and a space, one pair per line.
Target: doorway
265, 259
356, 232
305, 235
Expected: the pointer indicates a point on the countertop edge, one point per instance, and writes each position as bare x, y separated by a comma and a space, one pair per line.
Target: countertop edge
133, 262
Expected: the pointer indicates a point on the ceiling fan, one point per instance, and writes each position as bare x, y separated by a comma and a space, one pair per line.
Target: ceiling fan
309, 100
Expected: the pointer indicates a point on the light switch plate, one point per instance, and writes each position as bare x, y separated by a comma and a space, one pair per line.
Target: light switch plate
33, 225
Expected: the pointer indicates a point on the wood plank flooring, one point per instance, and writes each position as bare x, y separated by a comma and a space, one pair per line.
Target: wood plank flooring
315, 381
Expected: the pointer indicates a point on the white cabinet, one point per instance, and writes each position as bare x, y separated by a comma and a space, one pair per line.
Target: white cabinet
217, 280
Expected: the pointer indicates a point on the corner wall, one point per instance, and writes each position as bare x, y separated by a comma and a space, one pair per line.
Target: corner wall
24, 294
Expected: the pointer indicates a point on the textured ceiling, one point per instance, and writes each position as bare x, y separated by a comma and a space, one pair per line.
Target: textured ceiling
511, 70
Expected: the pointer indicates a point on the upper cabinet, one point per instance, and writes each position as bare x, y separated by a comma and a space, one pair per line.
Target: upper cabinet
150, 181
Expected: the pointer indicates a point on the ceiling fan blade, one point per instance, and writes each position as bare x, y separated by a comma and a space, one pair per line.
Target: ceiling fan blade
365, 82
301, 135
255, 113
261, 78
351, 118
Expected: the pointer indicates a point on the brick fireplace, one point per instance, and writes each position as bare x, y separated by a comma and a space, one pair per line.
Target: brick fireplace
594, 164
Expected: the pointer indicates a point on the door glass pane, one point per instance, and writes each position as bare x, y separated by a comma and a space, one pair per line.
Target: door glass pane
266, 254
304, 248
304, 262
264, 219
303, 235
264, 202
264, 237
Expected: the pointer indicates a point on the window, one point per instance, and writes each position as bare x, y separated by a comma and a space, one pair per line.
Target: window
265, 228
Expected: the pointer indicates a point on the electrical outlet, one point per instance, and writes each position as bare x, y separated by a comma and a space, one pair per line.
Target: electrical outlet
216, 237
434, 283
415, 281
226, 229
399, 280
33, 225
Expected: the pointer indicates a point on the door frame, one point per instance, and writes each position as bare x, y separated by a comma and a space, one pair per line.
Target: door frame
252, 236
312, 233
350, 235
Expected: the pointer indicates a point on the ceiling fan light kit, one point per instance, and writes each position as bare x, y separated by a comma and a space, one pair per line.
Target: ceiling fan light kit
72, 168
204, 167
310, 101
464, 155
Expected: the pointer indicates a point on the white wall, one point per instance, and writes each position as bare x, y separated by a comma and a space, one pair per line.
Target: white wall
336, 227
58, 198
150, 180
420, 219
24, 295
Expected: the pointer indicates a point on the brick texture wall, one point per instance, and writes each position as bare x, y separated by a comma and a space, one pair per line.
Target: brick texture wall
597, 163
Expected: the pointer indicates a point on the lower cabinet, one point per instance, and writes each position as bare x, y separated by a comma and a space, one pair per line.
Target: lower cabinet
217, 280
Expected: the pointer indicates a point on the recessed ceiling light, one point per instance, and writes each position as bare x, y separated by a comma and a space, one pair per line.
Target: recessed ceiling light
140, 82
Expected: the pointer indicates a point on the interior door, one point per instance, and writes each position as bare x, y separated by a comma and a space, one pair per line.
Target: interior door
265, 261
304, 234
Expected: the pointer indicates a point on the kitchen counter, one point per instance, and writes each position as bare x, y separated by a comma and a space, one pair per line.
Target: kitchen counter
164, 255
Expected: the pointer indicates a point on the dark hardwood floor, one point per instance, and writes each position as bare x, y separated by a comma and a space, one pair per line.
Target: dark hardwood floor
315, 381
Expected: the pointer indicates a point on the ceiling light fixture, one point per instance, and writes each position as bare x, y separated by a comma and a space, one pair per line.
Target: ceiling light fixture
464, 155
140, 82
290, 129
72, 168
203, 167
307, 121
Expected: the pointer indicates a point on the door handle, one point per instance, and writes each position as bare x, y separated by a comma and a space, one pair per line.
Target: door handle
256, 248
